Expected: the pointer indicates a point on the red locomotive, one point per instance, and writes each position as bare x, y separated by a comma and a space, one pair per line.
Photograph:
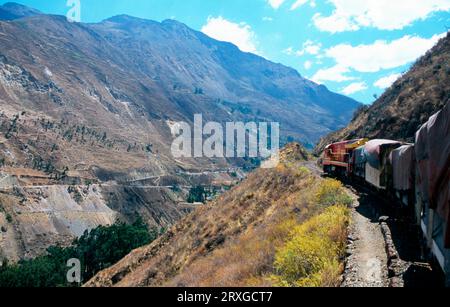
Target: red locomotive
337, 156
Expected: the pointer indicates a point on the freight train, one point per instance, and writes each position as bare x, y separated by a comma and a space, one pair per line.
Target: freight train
418, 175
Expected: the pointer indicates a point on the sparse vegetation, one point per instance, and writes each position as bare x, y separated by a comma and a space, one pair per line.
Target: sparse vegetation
75, 193
12, 127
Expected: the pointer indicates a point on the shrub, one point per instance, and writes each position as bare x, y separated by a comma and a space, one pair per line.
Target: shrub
311, 257
331, 192
197, 195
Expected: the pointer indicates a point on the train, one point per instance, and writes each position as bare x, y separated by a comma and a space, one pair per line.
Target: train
416, 174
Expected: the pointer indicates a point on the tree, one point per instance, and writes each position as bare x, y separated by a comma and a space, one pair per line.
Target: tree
197, 195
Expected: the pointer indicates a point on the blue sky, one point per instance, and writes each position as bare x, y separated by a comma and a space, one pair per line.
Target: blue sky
354, 47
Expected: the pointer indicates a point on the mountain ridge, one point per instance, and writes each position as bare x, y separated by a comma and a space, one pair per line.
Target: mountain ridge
12, 11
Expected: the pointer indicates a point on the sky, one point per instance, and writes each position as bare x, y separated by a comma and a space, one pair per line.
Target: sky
354, 47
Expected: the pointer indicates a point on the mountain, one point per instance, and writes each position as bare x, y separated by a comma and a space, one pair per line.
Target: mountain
11, 11
407, 104
239, 239
140, 62
87, 112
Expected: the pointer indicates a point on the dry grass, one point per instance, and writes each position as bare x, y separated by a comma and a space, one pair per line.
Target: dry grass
297, 245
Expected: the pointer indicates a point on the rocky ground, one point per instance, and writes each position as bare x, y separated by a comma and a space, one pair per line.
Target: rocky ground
367, 262
384, 249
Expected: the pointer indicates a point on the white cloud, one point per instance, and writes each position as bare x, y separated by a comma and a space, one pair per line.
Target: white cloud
240, 34
333, 24
351, 15
307, 65
336, 73
387, 81
381, 54
275, 3
298, 4
309, 47
354, 88
372, 58
48, 72
267, 18
289, 51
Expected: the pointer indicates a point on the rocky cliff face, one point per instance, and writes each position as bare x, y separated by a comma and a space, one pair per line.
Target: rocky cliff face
34, 218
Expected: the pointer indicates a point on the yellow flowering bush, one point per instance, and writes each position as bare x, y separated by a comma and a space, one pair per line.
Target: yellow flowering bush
311, 257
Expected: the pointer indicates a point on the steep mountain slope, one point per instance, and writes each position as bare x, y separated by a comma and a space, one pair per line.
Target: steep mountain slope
11, 11
407, 104
233, 241
85, 105
128, 62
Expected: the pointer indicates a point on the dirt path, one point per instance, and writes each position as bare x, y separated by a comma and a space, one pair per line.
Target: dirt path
367, 262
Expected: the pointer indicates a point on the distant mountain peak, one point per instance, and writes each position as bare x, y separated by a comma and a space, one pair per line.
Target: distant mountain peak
12, 11
173, 22
121, 18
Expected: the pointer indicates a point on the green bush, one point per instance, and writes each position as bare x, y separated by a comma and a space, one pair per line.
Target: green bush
197, 195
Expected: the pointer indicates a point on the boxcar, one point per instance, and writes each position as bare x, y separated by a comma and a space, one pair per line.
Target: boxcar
403, 170
432, 150
359, 163
378, 170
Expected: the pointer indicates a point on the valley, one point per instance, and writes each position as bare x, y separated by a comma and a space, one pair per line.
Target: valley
87, 112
